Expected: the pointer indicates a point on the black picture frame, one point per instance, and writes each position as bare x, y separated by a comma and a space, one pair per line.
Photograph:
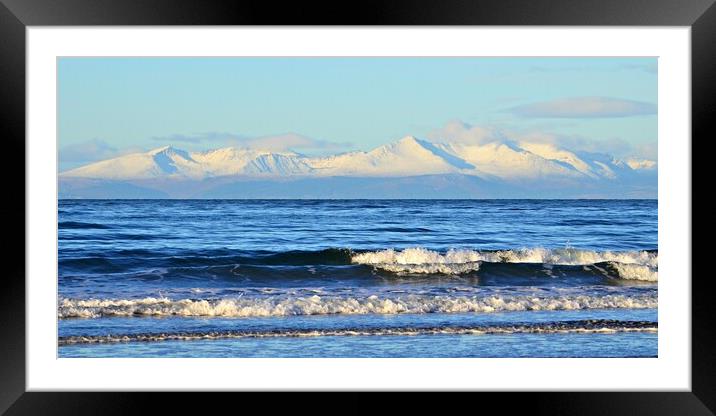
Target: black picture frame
16, 15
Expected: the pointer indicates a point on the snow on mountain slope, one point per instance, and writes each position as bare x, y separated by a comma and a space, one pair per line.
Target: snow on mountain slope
551, 152
174, 163
277, 165
499, 160
607, 166
508, 161
165, 161
637, 164
406, 157
234, 161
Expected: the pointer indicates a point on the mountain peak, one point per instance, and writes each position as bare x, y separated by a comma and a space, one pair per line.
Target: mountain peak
160, 149
410, 142
407, 143
408, 139
168, 150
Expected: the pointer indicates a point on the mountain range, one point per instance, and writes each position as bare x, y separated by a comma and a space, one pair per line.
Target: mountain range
408, 168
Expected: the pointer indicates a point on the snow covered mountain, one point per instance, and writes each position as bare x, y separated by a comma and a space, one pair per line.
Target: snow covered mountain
170, 162
504, 163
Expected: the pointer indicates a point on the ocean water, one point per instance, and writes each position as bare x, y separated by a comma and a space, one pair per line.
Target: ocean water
357, 278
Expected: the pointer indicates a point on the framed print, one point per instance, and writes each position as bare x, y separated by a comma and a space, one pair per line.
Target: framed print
399, 198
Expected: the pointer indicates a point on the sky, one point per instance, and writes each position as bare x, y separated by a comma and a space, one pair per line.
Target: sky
113, 106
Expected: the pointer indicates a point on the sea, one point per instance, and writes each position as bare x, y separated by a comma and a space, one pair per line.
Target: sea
357, 278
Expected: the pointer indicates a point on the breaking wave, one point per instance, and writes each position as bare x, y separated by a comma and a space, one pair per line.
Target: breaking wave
632, 265
630, 271
532, 262
347, 305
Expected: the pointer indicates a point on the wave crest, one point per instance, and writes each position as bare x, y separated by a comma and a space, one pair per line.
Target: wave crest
632, 271
635, 265
317, 305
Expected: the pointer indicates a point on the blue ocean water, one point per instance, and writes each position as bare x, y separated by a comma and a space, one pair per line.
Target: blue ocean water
357, 278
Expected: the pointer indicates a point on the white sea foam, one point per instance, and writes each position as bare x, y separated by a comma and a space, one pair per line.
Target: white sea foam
316, 305
636, 271
421, 260
431, 268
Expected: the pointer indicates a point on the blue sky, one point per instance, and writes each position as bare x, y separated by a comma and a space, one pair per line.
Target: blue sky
111, 106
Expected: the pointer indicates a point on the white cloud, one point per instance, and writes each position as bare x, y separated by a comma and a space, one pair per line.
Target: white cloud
461, 132
291, 141
278, 142
616, 147
584, 107
457, 131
